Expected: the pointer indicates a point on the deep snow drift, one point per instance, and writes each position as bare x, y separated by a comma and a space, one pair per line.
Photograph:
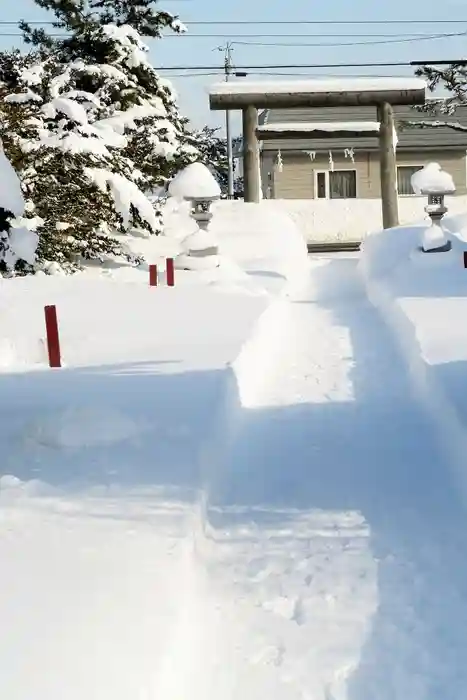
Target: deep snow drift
232, 489
334, 522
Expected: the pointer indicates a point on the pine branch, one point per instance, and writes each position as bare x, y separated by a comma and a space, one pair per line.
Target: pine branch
455, 126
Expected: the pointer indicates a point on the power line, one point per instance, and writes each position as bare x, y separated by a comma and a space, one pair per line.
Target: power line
378, 42
290, 66
282, 35
353, 43
286, 22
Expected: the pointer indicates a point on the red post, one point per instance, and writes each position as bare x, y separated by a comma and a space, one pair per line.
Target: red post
170, 272
53, 340
153, 275
465, 258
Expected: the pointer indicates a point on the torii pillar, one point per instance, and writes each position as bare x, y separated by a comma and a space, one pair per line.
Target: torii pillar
388, 166
251, 159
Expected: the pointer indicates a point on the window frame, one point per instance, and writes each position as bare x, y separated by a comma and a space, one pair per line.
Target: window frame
407, 165
327, 183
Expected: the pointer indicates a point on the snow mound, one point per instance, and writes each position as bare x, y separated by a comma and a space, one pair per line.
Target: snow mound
262, 239
432, 178
422, 298
86, 426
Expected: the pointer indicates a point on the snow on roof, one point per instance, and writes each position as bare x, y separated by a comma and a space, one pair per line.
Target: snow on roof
321, 126
317, 86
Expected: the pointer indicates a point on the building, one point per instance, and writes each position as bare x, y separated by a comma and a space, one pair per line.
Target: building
339, 168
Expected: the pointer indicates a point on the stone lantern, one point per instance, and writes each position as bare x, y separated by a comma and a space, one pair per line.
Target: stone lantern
197, 185
436, 184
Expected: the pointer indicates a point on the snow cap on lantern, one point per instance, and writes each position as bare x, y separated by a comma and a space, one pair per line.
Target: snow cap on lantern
432, 180
195, 182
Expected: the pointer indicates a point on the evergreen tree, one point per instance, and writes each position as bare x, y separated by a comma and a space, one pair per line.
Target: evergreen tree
452, 78
61, 158
213, 153
107, 38
91, 125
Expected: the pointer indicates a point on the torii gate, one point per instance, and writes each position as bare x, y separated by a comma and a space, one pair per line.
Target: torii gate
380, 93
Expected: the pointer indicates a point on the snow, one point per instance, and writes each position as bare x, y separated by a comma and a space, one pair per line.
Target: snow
322, 126
333, 220
128, 42
249, 485
200, 240
125, 194
11, 196
22, 97
422, 296
195, 182
33, 75
21, 241
318, 86
128, 119
70, 108
432, 178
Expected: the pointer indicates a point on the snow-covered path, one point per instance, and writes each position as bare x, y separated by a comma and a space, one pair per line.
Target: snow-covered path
336, 542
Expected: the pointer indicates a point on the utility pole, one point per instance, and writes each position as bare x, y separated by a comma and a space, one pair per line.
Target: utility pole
228, 129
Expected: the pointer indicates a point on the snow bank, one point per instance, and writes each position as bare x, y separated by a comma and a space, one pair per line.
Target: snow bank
323, 221
261, 248
261, 239
106, 322
423, 298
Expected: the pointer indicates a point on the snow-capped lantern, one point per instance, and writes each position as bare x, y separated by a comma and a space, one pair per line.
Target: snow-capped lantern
434, 183
197, 185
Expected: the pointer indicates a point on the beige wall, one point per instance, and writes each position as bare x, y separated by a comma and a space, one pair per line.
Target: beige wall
297, 179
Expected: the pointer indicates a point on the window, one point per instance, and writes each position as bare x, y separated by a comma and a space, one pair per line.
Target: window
404, 176
339, 184
321, 189
343, 184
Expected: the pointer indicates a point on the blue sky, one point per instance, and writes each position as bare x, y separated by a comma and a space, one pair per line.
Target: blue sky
192, 49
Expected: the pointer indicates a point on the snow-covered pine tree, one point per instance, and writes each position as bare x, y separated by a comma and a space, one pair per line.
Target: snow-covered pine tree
107, 37
453, 79
68, 167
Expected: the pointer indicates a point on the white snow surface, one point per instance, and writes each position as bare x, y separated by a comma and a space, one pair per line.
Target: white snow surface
317, 85
11, 196
70, 108
22, 241
195, 181
432, 178
322, 126
241, 487
22, 97
125, 195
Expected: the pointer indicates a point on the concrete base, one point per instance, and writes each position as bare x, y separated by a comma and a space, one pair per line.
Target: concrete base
442, 249
340, 246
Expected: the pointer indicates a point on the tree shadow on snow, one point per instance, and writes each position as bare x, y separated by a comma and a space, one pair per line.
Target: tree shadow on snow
377, 455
